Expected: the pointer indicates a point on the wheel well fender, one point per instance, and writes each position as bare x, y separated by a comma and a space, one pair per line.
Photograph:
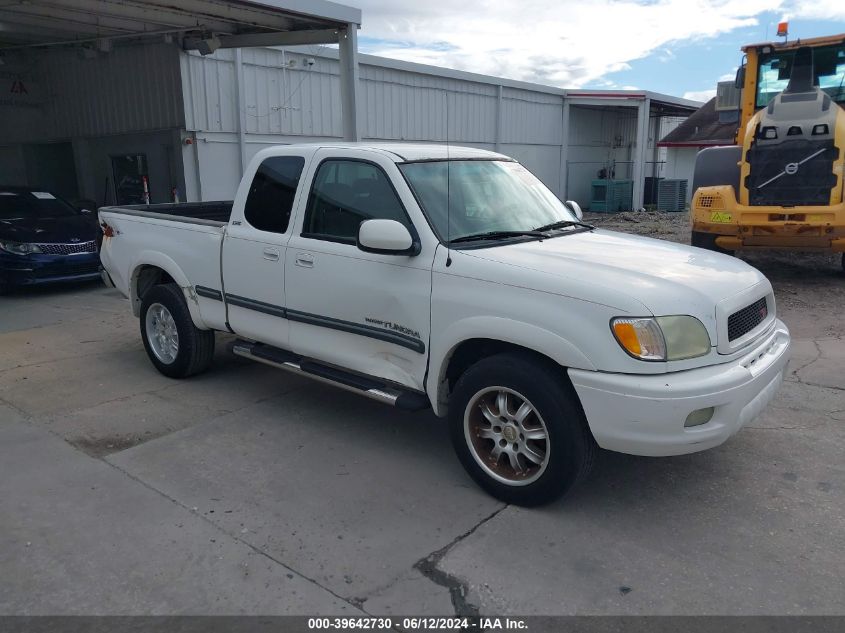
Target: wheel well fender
153, 268
468, 341
717, 166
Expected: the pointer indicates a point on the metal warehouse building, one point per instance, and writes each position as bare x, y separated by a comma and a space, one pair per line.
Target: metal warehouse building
120, 101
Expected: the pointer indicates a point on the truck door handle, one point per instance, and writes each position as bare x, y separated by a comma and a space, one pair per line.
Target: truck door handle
305, 260
272, 254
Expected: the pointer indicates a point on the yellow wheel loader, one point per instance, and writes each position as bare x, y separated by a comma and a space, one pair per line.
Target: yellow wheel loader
781, 185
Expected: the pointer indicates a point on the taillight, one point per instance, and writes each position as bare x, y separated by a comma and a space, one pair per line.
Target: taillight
108, 231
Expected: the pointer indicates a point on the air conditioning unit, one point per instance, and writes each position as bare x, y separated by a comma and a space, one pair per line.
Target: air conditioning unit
727, 96
611, 196
672, 195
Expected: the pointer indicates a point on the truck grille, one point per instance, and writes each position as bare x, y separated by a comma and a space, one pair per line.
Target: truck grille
785, 175
68, 249
743, 321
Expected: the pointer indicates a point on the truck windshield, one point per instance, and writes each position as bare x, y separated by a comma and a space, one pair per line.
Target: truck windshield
484, 196
776, 68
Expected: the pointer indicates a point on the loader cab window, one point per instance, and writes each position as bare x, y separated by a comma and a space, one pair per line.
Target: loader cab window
270, 198
776, 68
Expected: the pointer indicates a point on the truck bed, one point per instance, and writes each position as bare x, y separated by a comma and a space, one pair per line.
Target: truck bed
210, 213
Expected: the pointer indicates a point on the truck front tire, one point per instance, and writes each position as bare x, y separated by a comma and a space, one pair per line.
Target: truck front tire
176, 347
518, 429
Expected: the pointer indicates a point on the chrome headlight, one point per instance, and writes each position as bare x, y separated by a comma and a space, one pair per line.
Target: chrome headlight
661, 338
19, 248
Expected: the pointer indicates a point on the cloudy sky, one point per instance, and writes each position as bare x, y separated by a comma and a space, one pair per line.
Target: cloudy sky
677, 47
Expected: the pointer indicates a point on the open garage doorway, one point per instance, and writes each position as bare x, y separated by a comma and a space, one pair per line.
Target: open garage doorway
51, 167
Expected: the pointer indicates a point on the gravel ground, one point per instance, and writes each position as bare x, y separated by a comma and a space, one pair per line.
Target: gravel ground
809, 287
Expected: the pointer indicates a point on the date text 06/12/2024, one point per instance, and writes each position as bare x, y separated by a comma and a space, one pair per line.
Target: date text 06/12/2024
419, 623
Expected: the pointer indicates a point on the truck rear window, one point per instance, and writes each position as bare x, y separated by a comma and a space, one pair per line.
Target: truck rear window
270, 199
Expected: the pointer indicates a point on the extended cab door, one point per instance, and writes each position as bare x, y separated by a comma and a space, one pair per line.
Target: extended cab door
253, 259
362, 311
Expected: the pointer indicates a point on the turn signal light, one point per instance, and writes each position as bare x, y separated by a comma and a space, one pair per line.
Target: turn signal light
108, 231
640, 337
628, 337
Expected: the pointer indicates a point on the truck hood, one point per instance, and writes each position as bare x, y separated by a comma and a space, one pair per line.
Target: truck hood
632, 273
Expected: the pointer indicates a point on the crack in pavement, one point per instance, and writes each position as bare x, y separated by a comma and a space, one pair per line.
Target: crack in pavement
458, 589
821, 386
17, 409
795, 371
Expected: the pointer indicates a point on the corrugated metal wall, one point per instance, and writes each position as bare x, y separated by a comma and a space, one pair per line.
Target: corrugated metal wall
295, 96
130, 88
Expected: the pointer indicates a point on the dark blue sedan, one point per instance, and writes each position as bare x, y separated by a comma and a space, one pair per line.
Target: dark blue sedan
43, 239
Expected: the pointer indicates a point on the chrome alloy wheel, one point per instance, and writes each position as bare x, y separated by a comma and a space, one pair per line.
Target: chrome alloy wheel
162, 333
506, 436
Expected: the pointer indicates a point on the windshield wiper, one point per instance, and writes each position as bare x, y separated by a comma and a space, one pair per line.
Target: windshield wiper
497, 235
562, 225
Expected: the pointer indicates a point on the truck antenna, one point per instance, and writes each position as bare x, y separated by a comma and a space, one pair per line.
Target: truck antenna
448, 187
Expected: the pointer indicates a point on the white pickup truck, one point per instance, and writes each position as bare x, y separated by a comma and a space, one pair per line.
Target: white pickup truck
452, 278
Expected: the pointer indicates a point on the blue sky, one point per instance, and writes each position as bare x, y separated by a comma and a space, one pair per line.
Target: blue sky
677, 47
697, 66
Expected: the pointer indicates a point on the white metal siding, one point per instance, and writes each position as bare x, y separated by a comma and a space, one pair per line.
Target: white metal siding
289, 100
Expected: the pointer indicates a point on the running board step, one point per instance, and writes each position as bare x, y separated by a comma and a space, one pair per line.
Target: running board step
362, 385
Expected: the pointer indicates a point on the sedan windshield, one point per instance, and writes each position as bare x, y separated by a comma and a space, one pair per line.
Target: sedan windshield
483, 197
16, 205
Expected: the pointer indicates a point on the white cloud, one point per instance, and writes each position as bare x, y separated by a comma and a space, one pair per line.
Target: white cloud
566, 43
666, 55
814, 9
700, 95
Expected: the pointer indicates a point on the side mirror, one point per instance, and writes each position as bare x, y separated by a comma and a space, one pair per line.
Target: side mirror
386, 237
576, 209
739, 81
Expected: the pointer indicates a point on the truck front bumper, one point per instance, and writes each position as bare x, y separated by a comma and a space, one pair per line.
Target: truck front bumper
645, 414
715, 210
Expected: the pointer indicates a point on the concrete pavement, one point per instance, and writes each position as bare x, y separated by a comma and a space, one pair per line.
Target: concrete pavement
246, 490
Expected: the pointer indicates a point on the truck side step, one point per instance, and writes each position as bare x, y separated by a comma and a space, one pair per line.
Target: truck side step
363, 385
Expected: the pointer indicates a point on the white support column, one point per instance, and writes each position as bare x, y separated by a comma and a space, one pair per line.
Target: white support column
241, 99
349, 82
640, 147
499, 115
564, 150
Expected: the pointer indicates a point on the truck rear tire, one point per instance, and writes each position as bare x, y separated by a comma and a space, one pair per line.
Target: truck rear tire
708, 241
176, 347
519, 430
